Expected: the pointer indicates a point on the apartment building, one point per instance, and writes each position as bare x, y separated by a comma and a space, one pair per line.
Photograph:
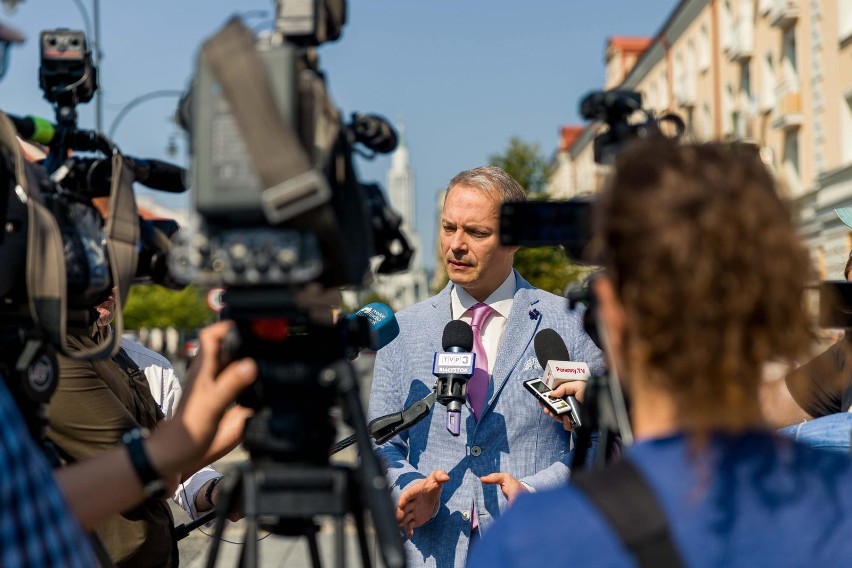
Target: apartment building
777, 73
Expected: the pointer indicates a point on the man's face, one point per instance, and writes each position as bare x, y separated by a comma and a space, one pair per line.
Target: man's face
470, 241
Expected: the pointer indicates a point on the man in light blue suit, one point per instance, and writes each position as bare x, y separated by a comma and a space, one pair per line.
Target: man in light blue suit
449, 489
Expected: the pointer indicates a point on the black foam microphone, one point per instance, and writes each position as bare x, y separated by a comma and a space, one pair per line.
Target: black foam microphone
453, 368
95, 174
550, 347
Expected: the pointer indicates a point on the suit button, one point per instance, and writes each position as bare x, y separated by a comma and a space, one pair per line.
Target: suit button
475, 451
466, 515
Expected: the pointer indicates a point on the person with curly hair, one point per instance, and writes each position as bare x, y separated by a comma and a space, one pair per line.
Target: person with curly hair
702, 283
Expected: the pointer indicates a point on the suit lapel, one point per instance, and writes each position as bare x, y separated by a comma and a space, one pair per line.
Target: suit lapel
442, 312
520, 329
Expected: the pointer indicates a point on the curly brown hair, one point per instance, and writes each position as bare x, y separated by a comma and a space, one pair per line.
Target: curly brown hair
705, 259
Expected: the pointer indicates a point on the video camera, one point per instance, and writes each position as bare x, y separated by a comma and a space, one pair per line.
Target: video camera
283, 222
568, 224
60, 258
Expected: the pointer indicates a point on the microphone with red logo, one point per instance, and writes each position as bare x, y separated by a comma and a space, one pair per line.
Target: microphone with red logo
558, 368
453, 368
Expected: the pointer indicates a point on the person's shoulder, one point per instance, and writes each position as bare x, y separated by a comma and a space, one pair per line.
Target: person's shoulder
564, 515
143, 356
415, 312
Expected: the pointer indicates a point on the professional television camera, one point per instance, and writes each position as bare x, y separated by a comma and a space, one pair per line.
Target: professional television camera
59, 258
284, 222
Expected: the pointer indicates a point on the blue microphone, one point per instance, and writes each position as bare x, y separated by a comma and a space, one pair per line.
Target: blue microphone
383, 325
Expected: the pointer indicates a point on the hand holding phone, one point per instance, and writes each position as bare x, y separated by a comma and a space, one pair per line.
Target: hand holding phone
557, 406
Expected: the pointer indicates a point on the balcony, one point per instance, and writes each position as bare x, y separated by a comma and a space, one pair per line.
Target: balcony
789, 111
742, 41
783, 13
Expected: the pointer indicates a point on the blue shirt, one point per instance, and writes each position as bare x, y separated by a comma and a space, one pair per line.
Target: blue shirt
750, 500
37, 528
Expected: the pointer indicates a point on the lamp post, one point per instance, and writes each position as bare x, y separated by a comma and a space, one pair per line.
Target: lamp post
138, 101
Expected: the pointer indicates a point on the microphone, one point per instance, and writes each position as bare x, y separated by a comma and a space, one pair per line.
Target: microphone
94, 175
453, 368
43, 131
553, 356
383, 325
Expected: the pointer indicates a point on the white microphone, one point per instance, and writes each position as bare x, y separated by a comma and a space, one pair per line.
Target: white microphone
558, 372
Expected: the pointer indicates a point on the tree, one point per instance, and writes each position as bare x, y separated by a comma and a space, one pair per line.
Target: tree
544, 267
155, 306
525, 163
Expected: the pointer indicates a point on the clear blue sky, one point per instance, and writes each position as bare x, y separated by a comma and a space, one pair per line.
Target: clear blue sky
465, 75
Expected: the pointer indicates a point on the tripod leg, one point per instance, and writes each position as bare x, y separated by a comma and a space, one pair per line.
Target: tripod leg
313, 547
248, 558
339, 541
229, 489
358, 514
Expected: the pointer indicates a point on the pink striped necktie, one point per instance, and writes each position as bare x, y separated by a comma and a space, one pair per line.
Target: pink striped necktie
477, 385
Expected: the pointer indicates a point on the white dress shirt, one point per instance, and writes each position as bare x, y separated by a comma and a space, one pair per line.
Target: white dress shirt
500, 301
167, 392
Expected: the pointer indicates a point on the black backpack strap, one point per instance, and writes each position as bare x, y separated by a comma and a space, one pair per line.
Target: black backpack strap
625, 499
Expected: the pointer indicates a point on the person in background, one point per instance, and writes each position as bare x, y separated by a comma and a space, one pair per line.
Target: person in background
812, 403
47, 511
97, 402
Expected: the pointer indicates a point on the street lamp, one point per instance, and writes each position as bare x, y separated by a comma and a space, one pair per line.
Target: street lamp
138, 101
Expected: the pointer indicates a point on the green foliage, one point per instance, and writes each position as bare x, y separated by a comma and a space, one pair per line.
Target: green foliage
525, 163
544, 267
548, 268
155, 306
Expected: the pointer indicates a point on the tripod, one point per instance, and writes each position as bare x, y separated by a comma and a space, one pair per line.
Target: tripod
289, 482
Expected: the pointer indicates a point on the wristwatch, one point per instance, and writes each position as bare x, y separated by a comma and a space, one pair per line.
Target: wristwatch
152, 484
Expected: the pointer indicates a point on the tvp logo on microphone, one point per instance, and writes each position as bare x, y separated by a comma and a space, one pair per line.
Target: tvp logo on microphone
454, 364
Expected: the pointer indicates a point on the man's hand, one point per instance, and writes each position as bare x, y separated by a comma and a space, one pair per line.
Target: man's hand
419, 501
510, 486
576, 388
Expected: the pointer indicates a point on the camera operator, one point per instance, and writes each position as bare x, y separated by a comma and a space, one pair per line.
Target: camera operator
96, 403
814, 400
702, 284
446, 486
38, 517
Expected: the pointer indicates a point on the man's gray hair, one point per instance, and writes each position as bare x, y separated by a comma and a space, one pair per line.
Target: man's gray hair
491, 180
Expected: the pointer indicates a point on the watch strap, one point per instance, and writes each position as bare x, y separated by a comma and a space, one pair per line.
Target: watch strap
152, 483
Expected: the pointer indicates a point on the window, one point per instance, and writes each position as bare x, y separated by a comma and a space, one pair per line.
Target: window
767, 95
846, 129
726, 24
706, 122
844, 19
791, 164
704, 49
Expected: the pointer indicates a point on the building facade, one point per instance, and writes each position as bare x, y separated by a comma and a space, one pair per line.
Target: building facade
775, 73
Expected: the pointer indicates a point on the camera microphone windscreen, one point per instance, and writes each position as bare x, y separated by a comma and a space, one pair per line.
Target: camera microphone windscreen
550, 347
383, 325
458, 337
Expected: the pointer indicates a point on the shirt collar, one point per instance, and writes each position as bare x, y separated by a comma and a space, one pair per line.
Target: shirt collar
500, 299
